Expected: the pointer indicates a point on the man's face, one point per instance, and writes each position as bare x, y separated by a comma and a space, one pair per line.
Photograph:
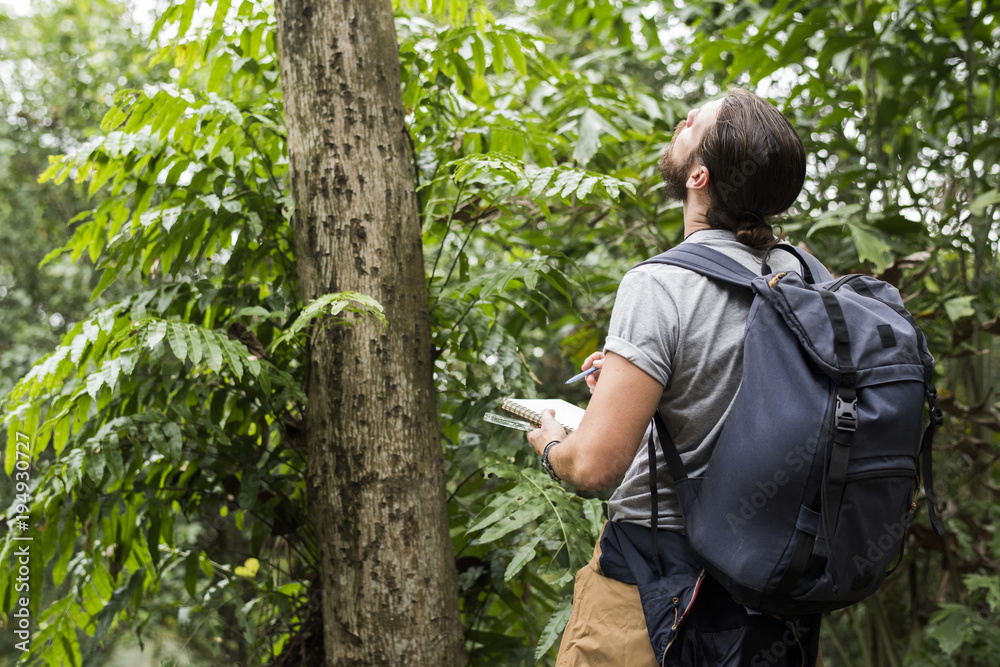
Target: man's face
678, 159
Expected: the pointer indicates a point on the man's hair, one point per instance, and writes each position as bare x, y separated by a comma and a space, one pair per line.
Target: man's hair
756, 165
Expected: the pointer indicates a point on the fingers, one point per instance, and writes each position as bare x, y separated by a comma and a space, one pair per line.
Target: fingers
549, 430
591, 361
596, 360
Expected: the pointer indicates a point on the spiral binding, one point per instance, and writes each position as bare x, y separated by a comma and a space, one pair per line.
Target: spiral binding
527, 413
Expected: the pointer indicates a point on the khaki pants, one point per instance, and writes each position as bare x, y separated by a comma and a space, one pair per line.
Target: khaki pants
607, 627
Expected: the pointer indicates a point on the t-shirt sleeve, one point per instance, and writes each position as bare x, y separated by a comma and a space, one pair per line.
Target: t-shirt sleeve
644, 325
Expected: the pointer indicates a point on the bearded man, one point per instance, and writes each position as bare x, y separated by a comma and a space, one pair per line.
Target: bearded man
675, 345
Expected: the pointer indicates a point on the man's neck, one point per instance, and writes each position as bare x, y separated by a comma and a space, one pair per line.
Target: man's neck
695, 215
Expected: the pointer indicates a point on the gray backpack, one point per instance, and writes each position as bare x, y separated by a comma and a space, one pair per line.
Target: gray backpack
811, 485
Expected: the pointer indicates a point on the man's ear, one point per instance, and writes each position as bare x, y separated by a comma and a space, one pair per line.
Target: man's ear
698, 178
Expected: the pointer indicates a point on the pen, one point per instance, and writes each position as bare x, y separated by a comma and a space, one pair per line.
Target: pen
580, 376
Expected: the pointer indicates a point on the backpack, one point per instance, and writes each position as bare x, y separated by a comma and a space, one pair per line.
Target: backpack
810, 488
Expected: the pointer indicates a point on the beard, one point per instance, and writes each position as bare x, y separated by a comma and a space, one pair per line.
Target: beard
675, 174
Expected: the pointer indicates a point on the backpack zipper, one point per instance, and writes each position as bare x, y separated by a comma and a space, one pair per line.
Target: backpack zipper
884, 472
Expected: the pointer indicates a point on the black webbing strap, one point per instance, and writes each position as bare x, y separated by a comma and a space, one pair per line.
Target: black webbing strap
674, 463
654, 501
798, 562
845, 421
807, 273
933, 407
927, 469
676, 467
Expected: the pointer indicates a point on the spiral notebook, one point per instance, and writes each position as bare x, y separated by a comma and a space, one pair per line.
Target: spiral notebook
567, 414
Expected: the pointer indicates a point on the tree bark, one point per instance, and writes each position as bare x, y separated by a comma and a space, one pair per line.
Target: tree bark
376, 468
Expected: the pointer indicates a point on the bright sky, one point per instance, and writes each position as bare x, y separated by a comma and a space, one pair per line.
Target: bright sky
143, 11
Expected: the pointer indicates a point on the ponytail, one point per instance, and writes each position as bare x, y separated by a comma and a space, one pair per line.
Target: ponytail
753, 231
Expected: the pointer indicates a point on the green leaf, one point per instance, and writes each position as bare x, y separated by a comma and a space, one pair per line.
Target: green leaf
187, 13
249, 488
193, 341
330, 305
223, 140
838, 217
588, 130
951, 627
513, 47
104, 172
175, 440
871, 247
156, 333
113, 457
153, 538
586, 186
978, 205
515, 519
523, 556
60, 435
108, 277
462, 71
95, 463
255, 311
555, 626
119, 598
959, 307
191, 573
221, 10
478, 56
234, 359
497, 53
221, 68
213, 353
175, 334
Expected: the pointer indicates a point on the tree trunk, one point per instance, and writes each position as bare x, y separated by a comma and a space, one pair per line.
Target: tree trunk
376, 469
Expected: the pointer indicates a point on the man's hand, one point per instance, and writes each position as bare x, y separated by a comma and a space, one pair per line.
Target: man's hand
602, 448
549, 430
596, 359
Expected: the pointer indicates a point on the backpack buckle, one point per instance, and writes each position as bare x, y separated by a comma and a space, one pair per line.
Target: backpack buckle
847, 415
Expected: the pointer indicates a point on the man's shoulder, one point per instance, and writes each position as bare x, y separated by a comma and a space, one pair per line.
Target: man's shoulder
657, 275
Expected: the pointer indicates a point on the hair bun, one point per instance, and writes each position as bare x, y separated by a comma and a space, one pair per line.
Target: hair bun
756, 236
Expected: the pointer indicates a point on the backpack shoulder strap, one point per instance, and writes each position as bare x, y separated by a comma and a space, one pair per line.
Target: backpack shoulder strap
714, 264
709, 263
677, 472
813, 270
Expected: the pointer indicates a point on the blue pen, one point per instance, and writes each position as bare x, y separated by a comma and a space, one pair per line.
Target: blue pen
580, 376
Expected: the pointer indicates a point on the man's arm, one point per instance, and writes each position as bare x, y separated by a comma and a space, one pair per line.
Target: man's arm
601, 450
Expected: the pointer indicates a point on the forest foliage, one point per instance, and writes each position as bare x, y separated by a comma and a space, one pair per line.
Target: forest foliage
167, 493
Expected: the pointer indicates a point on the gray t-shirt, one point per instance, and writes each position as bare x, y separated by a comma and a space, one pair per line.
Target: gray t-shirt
686, 332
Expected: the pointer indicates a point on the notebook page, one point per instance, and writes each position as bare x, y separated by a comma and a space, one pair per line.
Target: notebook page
567, 414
